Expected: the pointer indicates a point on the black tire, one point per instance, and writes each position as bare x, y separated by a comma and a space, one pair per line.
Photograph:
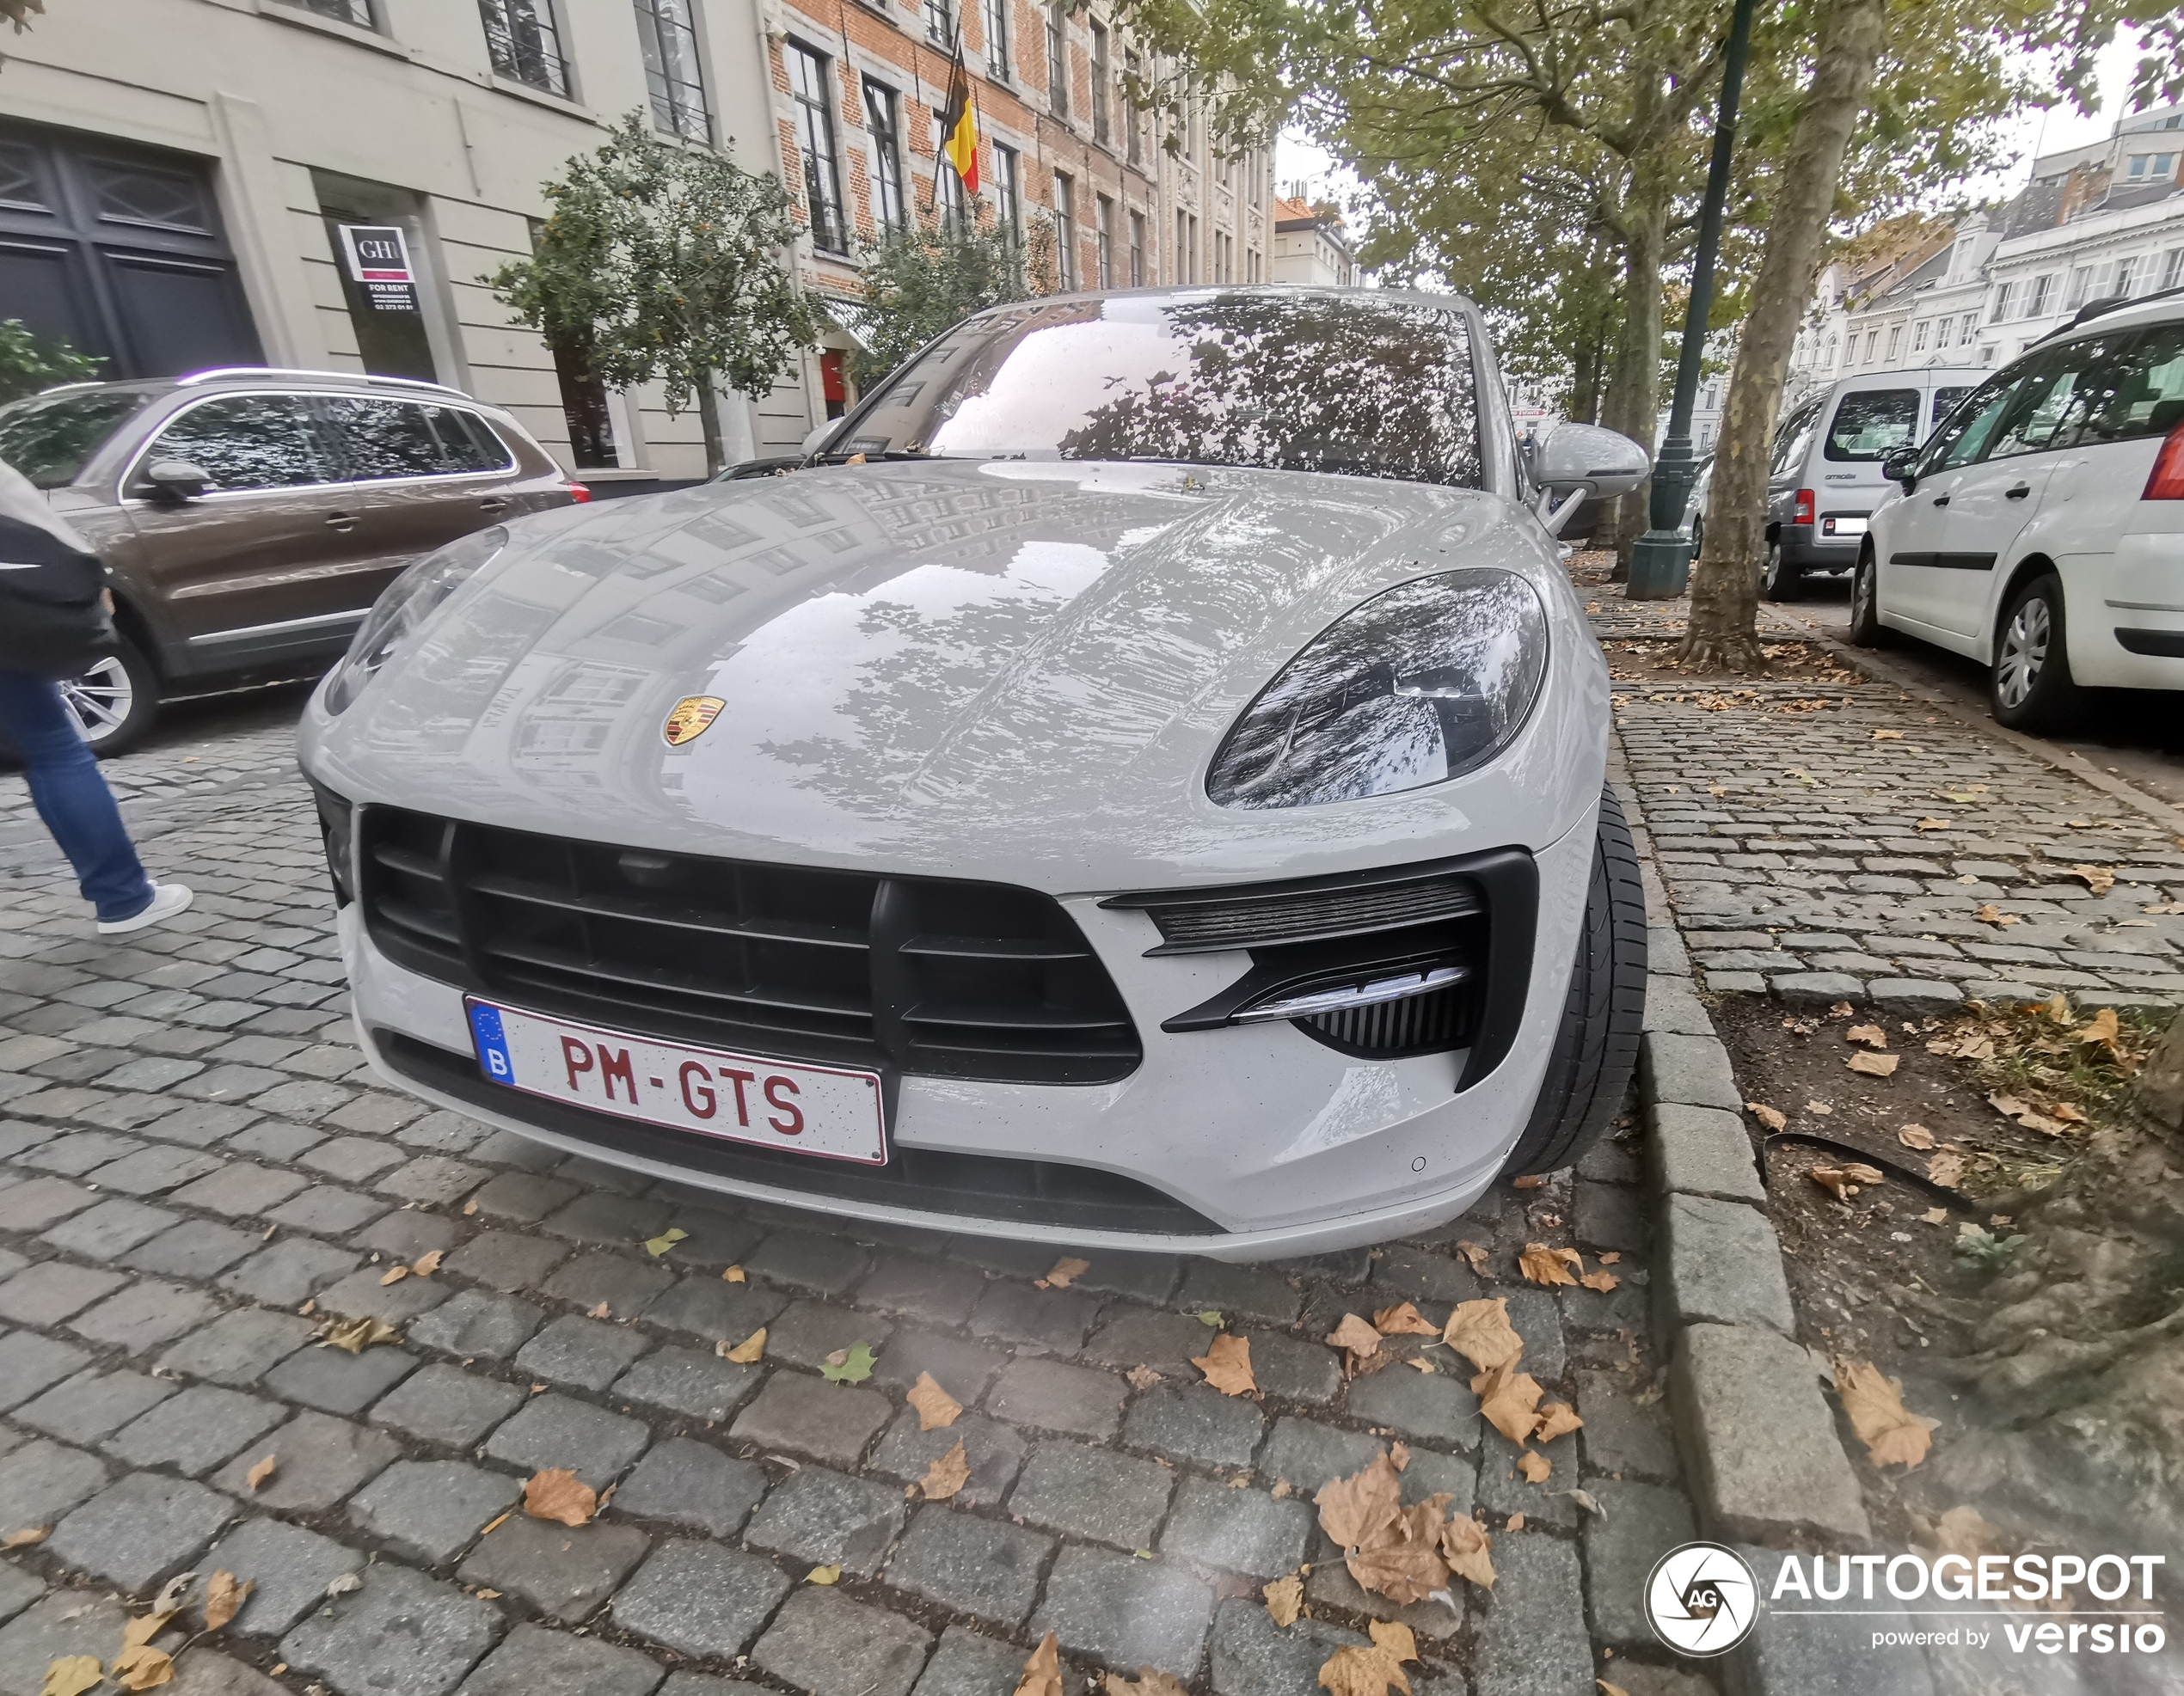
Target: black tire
1779, 580
116, 701
1698, 534
1596, 1043
2029, 687
1867, 631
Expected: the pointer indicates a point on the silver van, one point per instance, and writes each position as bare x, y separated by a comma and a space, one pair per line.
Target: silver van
1825, 478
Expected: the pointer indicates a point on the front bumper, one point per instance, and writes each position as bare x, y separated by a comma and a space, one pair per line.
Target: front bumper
1281, 1146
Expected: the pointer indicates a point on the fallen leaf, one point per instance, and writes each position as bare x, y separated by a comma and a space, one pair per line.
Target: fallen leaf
2008, 1106
1935, 1215
946, 1474
1932, 823
1989, 914
1607, 1689
345, 1583
1557, 1418
393, 1275
1603, 1281
937, 1408
1067, 1271
1773, 1117
1510, 1400
1916, 1136
28, 1535
1394, 1636
2103, 1028
1892, 1435
1404, 1320
854, 1366
1476, 1253
1859, 1171
1042, 1674
1210, 1317
1611, 1256
71, 1675
1149, 1681
1419, 1363
1399, 1454
223, 1598
1888, 736
260, 1471
1142, 1378
597, 1310
1819, 1107
1227, 1365
2057, 1007
734, 1274
1875, 1065
1355, 1335
1871, 1035
1535, 1467
748, 1352
1281, 1493
1947, 1169
1465, 1545
823, 1575
1584, 1499
1357, 1507
558, 1494
656, 1246
2098, 878
1514, 1522
1530, 1180
428, 1263
1284, 1599
1541, 1264
469, 1207
1481, 1333
1351, 1671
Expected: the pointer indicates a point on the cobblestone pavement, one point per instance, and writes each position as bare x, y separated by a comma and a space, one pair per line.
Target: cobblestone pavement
195, 1172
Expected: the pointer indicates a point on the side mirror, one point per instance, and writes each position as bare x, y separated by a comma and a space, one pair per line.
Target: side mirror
177, 479
1578, 460
1900, 466
817, 440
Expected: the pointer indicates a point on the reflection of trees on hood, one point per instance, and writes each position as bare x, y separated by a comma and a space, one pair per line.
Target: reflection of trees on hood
1302, 383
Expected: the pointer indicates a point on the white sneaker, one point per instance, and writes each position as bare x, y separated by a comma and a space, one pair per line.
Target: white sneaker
166, 900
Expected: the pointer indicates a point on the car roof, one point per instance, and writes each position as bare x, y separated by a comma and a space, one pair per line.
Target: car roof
259, 376
2163, 308
1897, 379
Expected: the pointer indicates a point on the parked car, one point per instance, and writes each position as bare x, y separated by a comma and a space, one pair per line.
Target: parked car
1693, 526
249, 517
1826, 476
1140, 784
2040, 532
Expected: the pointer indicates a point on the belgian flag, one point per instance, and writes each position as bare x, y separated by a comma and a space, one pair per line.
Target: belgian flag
960, 125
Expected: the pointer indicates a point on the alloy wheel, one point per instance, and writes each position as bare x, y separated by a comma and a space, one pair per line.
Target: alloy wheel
2024, 652
102, 698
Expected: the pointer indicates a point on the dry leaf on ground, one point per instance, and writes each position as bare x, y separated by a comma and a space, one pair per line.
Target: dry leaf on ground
1399, 1454
1541, 1264
1466, 1546
656, 1246
1510, 1400
947, 1474
1142, 1378
428, 1263
1514, 1522
1530, 1180
2098, 878
1916, 1136
1989, 914
1475, 1254
1355, 1335
1602, 1281
1481, 1333
260, 1471
1606, 1688
1356, 1508
393, 1275
1067, 1271
1404, 1563
1947, 1168
26, 1537
1871, 1035
1875, 1065
1932, 823
1042, 1674
732, 1274
1284, 1599
752, 1349
1535, 1467
1227, 1365
1888, 736
1556, 1419
1394, 1636
2101, 1028
71, 1675
1773, 1117
1963, 1531
937, 1408
829, 1574
1611, 1256
223, 1598
1149, 1681
557, 1494
1893, 1436
354, 1336
1404, 1320
1351, 1671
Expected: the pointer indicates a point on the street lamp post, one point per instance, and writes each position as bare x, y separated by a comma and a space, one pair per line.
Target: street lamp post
1661, 562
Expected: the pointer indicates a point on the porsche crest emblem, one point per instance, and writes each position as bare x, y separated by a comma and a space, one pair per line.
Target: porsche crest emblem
692, 713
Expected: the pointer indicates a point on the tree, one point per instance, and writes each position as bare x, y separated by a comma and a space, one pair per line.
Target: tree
665, 262
919, 282
29, 363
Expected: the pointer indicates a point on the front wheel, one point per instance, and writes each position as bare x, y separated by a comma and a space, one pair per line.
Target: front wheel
115, 701
1596, 1043
1779, 580
1867, 631
2030, 687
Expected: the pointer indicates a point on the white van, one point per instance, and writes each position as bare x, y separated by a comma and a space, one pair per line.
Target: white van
2041, 529
1826, 479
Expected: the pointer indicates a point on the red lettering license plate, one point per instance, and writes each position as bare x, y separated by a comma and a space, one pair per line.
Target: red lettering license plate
743, 1098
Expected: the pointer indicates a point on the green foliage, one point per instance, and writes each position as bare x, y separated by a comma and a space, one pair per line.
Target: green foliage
917, 282
663, 262
29, 363
1981, 1247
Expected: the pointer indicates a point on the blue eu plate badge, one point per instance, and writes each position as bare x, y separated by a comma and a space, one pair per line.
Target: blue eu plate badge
493, 1042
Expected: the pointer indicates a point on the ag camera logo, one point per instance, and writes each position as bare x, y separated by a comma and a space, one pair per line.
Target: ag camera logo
1701, 1599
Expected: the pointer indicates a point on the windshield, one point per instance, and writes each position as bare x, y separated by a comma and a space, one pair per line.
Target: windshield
48, 437
1277, 379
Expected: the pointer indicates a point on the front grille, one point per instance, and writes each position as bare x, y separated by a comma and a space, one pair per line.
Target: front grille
1421, 1024
1204, 922
980, 1186
899, 975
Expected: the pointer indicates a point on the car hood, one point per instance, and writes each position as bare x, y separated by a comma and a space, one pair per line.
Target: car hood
996, 669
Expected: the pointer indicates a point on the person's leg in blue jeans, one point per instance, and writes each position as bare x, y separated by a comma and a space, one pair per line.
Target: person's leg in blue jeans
72, 797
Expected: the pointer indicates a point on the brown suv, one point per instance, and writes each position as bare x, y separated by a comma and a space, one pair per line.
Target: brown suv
249, 517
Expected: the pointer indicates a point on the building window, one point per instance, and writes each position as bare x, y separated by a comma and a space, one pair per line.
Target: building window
2005, 297
1103, 238
2081, 286
524, 45
1872, 340
1136, 250
2172, 267
883, 118
1064, 235
1895, 339
2147, 167
808, 78
670, 43
1008, 192
1133, 122
2129, 272
1941, 333
949, 199
1100, 83
1182, 247
940, 22
1919, 331
1058, 60
357, 12
2041, 296
997, 26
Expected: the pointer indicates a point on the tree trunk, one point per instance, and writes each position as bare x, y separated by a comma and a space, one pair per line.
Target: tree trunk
1633, 390
709, 419
1725, 588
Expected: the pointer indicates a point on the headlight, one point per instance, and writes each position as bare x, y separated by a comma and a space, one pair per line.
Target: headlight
407, 602
1417, 685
